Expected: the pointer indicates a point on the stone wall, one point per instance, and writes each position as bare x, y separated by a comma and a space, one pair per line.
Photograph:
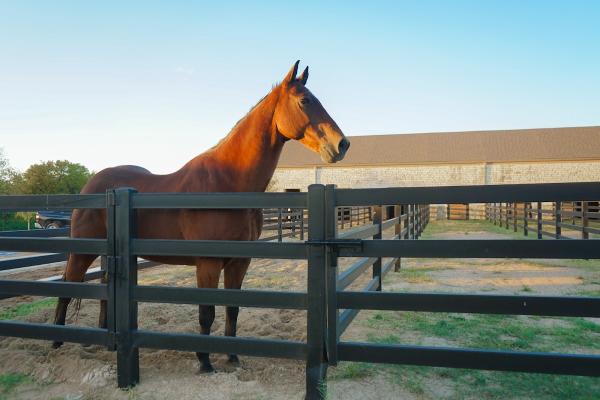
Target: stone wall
438, 175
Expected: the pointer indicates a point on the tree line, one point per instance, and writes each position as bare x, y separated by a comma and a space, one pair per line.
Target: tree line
48, 177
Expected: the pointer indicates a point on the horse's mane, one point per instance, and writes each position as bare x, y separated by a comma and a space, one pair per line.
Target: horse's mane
275, 85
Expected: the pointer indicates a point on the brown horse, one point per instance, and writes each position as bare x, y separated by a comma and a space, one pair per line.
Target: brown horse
244, 161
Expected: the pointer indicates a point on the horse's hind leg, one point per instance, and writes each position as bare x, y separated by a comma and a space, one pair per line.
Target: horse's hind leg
208, 271
235, 270
75, 272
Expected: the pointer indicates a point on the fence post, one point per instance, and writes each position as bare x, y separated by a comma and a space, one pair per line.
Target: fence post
584, 220
558, 219
302, 224
128, 368
316, 368
378, 217
420, 216
515, 216
539, 219
526, 218
332, 277
398, 231
279, 223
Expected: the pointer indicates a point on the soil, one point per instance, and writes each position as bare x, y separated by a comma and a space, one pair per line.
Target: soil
89, 372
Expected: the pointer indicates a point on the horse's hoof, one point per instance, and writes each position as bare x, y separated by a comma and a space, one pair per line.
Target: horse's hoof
207, 369
56, 345
233, 360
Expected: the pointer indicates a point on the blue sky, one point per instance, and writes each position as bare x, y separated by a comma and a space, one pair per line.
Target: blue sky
156, 83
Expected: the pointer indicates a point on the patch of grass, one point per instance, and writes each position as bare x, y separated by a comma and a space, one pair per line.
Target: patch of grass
8, 382
413, 275
493, 332
591, 293
26, 309
489, 331
470, 226
352, 370
526, 288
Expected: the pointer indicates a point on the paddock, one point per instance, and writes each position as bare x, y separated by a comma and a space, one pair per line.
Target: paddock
395, 230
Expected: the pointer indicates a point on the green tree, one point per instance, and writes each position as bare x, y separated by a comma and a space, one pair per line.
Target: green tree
54, 177
9, 177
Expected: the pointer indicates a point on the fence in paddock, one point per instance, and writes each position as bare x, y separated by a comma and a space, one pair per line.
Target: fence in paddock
557, 219
293, 222
327, 289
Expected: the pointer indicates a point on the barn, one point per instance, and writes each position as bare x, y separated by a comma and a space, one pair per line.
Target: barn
455, 158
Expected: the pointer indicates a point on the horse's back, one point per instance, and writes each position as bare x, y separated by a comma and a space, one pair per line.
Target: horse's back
121, 176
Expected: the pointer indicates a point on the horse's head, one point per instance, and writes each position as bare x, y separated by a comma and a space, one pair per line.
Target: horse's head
299, 115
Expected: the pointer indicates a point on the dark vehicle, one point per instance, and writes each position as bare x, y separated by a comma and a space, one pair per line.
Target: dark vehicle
52, 219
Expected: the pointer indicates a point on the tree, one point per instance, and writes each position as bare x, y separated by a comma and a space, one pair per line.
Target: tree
9, 177
54, 177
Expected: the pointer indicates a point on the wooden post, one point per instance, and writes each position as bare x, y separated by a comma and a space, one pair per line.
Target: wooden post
557, 219
539, 219
378, 217
584, 220
398, 232
128, 362
316, 365
279, 227
301, 224
515, 216
525, 221
408, 222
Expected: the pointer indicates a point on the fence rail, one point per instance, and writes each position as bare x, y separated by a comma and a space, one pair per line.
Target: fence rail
547, 219
330, 306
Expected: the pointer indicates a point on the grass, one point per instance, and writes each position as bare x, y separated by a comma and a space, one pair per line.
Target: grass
28, 308
470, 226
483, 331
412, 275
8, 382
525, 333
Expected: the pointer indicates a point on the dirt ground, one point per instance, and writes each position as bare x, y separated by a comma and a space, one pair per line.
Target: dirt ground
89, 372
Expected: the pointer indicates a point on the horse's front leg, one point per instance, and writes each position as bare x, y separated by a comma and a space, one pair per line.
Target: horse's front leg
235, 270
208, 271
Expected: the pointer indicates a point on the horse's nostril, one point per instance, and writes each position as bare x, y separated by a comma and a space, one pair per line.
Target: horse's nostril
343, 146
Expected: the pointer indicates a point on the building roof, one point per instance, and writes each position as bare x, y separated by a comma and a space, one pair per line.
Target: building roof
547, 144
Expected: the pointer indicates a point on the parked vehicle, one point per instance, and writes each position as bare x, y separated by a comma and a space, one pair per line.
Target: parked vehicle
52, 219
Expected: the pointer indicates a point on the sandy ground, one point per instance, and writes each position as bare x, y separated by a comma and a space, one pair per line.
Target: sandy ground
79, 372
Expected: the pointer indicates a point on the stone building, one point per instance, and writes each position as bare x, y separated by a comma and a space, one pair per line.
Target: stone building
457, 158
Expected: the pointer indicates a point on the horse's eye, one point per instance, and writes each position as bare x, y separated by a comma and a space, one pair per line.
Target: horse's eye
304, 100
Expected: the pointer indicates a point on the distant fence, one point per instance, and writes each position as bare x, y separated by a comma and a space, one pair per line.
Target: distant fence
557, 220
294, 222
405, 210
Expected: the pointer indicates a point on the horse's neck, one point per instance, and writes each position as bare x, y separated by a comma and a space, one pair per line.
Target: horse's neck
251, 151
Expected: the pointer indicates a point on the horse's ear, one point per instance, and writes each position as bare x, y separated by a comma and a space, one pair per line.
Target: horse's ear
291, 76
304, 77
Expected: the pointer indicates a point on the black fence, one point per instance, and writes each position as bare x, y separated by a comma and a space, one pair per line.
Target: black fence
326, 291
557, 220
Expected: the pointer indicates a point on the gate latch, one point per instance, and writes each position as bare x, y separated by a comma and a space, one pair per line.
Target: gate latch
336, 244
